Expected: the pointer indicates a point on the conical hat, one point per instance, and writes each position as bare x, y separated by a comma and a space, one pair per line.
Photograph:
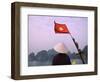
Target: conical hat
61, 48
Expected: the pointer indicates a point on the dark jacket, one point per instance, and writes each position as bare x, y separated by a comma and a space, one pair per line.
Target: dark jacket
61, 59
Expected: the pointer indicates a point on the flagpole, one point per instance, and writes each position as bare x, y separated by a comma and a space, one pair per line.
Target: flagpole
77, 48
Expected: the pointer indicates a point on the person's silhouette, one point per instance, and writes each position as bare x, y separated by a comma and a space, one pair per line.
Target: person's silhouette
62, 57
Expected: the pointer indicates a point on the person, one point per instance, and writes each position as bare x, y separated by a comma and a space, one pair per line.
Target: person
61, 58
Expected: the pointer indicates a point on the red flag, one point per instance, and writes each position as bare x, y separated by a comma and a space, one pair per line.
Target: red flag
60, 28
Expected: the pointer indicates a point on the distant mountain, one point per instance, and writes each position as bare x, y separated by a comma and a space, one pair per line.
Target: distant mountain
73, 56
31, 57
46, 55
51, 54
85, 52
42, 56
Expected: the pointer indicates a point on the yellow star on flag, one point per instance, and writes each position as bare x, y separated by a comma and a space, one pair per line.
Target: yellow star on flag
61, 28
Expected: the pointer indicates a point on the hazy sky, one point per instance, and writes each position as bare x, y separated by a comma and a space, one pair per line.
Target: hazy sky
43, 37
